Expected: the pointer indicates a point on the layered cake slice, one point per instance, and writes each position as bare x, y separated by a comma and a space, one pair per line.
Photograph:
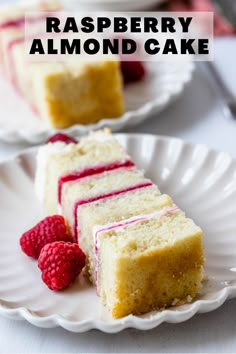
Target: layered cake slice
73, 91
142, 252
64, 92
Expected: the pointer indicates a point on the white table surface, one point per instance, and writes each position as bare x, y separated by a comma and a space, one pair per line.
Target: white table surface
196, 116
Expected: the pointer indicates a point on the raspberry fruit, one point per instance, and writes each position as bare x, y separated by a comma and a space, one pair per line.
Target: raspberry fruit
51, 229
63, 138
132, 71
60, 263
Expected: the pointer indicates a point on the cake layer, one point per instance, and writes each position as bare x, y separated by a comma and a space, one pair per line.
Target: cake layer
119, 207
95, 171
106, 197
57, 160
152, 262
95, 186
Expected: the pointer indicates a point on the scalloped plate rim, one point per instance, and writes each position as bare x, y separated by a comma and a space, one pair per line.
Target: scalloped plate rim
128, 119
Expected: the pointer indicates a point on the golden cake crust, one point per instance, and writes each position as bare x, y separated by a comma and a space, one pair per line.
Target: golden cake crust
166, 277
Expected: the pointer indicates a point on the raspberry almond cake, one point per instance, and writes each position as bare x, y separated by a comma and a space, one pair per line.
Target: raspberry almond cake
142, 252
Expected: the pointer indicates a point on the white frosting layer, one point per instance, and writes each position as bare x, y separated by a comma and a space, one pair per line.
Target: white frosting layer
44, 153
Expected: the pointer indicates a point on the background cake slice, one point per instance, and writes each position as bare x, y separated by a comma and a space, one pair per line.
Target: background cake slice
72, 91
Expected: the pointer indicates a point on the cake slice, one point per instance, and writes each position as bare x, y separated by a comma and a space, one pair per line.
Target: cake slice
65, 92
142, 252
148, 262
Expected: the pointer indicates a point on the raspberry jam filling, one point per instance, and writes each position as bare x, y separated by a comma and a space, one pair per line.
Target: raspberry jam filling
122, 224
103, 197
13, 23
90, 172
60, 137
20, 22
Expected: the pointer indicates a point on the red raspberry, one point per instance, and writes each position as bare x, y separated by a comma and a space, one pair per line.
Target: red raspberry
63, 138
60, 263
132, 71
51, 229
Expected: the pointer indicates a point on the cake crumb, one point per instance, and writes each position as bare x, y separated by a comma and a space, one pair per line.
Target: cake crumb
189, 298
175, 302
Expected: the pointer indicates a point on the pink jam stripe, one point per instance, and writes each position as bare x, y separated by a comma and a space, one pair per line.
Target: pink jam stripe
35, 111
12, 23
124, 224
91, 171
19, 22
102, 197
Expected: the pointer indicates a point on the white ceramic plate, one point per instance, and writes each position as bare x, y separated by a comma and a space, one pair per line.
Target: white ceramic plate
164, 82
202, 182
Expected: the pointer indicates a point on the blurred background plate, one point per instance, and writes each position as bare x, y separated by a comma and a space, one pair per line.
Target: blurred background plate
163, 83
